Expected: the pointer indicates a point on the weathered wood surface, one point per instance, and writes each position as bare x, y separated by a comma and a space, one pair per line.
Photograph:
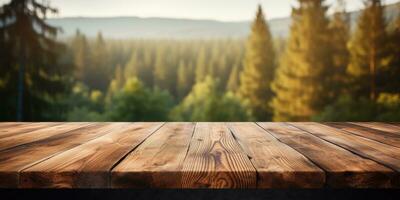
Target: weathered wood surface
199, 155
347, 170
373, 134
277, 164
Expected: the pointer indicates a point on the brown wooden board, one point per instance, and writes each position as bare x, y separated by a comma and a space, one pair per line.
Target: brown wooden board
23, 128
14, 160
215, 160
87, 165
277, 164
381, 126
373, 134
43, 133
11, 124
347, 169
157, 163
382, 153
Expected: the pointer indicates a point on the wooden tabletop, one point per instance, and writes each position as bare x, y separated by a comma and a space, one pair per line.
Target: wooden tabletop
199, 155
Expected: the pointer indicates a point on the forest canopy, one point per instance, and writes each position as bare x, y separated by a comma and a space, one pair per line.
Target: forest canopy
323, 71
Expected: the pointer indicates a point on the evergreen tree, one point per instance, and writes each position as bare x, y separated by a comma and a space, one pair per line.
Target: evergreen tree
183, 83
117, 83
201, 65
81, 54
367, 49
339, 36
132, 68
233, 81
31, 77
100, 70
259, 69
390, 81
300, 82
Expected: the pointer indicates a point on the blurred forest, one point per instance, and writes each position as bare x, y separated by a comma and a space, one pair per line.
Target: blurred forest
324, 71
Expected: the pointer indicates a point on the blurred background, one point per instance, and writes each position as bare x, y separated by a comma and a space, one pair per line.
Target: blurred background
200, 60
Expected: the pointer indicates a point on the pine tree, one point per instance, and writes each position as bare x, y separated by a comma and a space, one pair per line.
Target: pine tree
300, 79
259, 69
183, 82
117, 83
32, 75
132, 66
81, 53
367, 49
100, 70
233, 81
339, 29
391, 81
201, 66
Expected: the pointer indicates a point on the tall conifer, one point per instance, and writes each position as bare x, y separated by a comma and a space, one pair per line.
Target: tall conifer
259, 69
367, 49
299, 84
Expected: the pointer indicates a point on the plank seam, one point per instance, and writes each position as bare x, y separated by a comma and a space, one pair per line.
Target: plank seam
316, 164
244, 152
387, 124
59, 152
129, 152
351, 151
361, 135
190, 142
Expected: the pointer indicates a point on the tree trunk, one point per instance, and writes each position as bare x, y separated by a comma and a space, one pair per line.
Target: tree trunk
21, 84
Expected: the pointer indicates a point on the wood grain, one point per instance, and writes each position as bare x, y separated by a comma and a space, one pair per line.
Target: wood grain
14, 160
23, 128
215, 160
379, 152
277, 164
373, 134
347, 170
11, 124
206, 155
381, 126
157, 163
87, 165
43, 133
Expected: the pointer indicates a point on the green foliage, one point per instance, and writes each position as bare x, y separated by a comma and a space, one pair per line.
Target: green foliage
207, 79
85, 105
233, 81
300, 82
137, 103
348, 108
259, 69
33, 82
204, 103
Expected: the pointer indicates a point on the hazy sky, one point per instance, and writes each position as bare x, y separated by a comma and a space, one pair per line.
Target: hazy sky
225, 10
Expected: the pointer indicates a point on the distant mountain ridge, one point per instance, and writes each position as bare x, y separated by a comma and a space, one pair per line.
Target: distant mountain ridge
136, 27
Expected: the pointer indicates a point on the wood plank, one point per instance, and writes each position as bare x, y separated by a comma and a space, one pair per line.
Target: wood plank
215, 160
277, 164
10, 124
157, 163
347, 169
87, 165
379, 152
14, 160
381, 126
24, 128
377, 135
19, 139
